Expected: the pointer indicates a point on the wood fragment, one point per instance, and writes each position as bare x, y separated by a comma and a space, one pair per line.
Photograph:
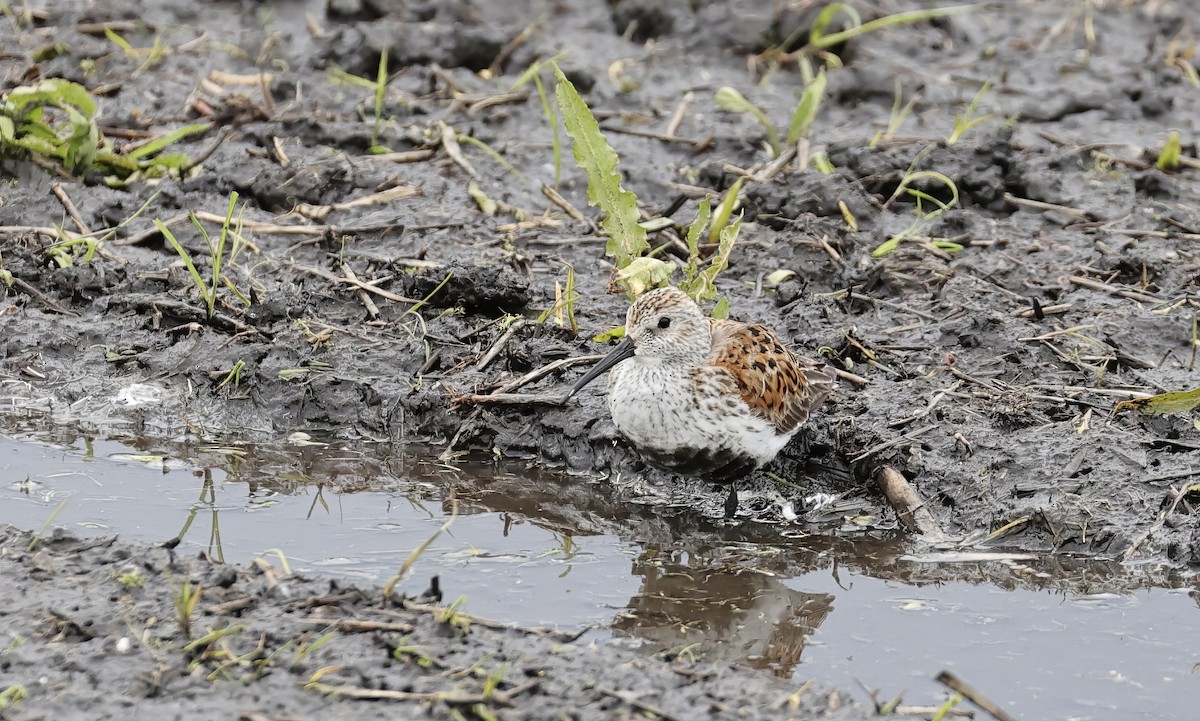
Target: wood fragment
353, 625
1114, 290
450, 144
954, 683
363, 296
912, 435
498, 346
672, 129
72, 211
1074, 213
698, 144
29, 290
631, 698
554, 197
513, 399
322, 273
910, 507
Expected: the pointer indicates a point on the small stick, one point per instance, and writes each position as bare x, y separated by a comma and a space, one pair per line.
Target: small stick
894, 442
453, 698
672, 129
546, 370
152, 231
630, 698
68, 206
910, 507
698, 144
848, 376
1158, 523
497, 66
34, 292
1046, 310
514, 399
1112, 289
831, 251
927, 409
1041, 205
494, 351
450, 143
954, 683
363, 296
554, 197
405, 156
322, 273
351, 625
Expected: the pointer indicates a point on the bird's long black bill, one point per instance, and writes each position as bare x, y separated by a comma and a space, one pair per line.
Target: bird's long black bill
623, 350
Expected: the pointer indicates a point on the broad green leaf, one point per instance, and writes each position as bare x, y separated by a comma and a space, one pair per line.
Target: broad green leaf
1173, 402
720, 261
57, 92
626, 238
720, 311
643, 274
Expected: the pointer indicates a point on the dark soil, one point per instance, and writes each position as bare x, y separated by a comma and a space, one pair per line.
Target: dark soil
293, 647
1000, 415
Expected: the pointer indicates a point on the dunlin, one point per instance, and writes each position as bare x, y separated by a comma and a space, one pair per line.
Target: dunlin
700, 396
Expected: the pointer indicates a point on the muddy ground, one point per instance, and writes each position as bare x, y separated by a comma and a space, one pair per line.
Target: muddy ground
999, 414
123, 650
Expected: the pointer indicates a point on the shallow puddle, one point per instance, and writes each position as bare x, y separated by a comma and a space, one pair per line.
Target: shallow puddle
1048, 638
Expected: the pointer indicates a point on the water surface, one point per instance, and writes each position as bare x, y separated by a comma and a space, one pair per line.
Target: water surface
1049, 638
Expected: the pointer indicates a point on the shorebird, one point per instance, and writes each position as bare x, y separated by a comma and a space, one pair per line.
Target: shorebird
700, 396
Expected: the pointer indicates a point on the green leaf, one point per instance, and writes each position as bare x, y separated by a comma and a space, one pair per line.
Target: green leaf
626, 239
806, 111
643, 274
721, 310
610, 335
730, 99
1168, 159
162, 141
720, 261
57, 92
693, 242
725, 210
1173, 402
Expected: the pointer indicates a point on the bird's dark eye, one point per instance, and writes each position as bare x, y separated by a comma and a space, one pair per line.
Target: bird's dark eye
664, 322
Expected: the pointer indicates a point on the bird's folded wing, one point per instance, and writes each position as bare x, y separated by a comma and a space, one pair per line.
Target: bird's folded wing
773, 381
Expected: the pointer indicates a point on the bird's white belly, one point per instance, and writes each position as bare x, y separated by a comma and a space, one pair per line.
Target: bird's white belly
658, 408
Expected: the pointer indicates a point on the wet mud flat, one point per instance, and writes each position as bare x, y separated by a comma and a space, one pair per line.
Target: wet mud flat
998, 410
94, 627
987, 375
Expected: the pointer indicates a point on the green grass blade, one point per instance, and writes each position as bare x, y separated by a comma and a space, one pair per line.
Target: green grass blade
162, 141
187, 259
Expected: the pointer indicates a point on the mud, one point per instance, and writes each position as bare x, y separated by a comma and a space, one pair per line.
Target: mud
122, 649
1001, 417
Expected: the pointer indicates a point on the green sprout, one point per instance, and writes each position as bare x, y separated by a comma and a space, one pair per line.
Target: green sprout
1168, 159
967, 119
924, 217
216, 253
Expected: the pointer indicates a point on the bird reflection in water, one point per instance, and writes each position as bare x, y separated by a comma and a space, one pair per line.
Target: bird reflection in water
720, 612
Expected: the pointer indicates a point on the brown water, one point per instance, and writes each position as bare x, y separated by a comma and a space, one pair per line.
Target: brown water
1048, 638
